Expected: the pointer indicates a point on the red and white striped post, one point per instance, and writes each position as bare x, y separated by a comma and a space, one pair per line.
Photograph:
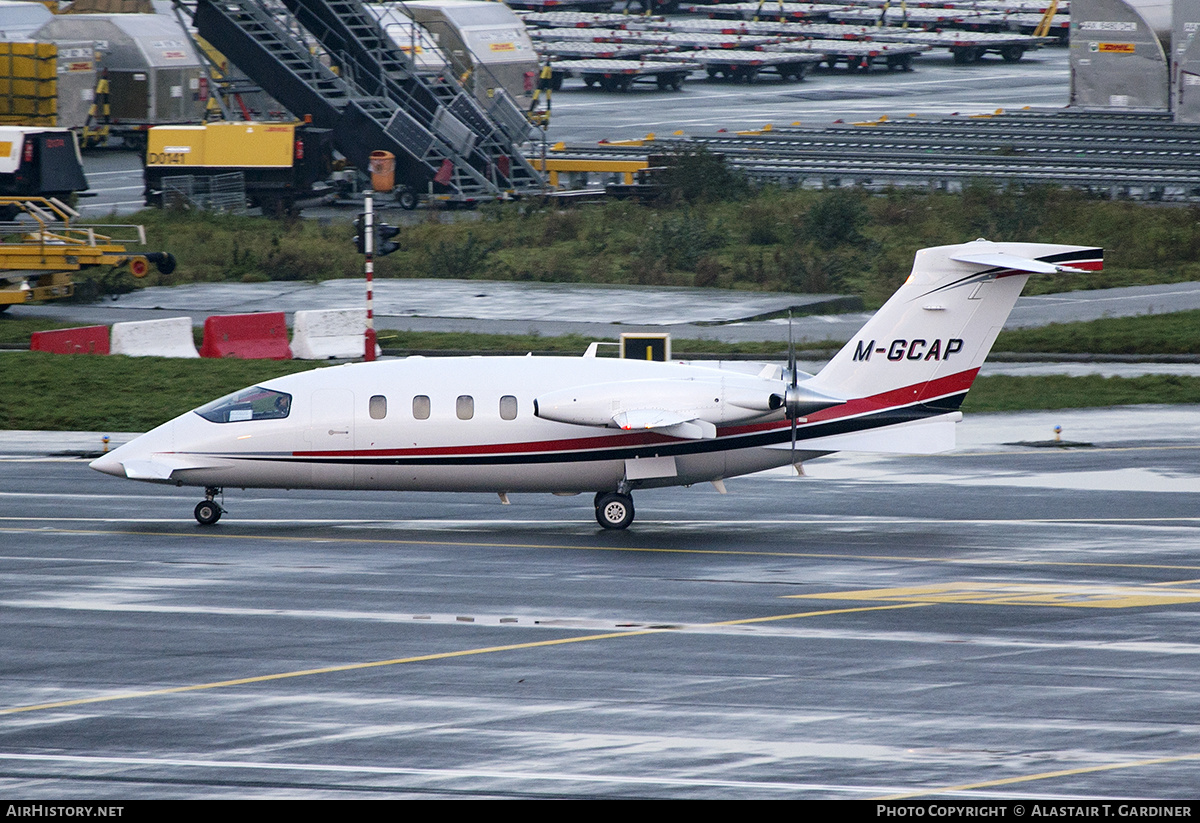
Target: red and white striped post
369, 246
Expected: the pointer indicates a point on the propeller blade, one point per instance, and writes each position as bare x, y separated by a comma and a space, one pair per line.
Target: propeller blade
792, 406
791, 350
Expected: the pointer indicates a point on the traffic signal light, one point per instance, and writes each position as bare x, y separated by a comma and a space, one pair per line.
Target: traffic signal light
360, 233
383, 239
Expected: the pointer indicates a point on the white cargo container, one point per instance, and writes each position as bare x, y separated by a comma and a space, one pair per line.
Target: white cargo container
485, 42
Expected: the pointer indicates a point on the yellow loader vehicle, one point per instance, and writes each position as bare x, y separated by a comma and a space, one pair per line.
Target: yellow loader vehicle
42, 250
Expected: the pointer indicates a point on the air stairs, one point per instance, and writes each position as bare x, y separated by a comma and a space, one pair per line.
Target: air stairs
446, 145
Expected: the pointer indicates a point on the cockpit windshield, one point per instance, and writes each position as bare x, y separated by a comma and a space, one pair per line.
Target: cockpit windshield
249, 404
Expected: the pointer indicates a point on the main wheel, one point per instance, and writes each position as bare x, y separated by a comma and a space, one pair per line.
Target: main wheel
614, 510
407, 198
207, 512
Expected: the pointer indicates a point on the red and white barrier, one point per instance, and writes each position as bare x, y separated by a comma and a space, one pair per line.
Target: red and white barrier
82, 340
171, 337
246, 336
329, 334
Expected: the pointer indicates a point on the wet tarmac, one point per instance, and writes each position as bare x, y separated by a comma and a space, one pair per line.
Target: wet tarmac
1000, 621
485, 300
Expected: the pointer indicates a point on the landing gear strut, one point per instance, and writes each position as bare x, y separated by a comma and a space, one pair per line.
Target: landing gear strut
614, 510
208, 511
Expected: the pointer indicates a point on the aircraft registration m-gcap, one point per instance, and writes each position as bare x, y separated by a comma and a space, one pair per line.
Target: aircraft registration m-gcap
604, 425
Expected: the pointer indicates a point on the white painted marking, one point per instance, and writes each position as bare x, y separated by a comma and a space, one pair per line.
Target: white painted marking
96, 497
466, 774
109, 601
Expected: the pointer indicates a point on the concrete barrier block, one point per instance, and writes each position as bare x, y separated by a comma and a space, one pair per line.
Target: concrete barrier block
82, 340
247, 336
171, 337
329, 333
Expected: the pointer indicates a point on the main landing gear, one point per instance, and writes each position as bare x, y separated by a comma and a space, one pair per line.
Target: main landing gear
614, 510
208, 511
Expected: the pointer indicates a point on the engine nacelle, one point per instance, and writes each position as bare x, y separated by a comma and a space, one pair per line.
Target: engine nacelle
720, 402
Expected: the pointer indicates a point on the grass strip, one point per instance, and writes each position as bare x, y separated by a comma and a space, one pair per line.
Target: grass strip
55, 392
1057, 391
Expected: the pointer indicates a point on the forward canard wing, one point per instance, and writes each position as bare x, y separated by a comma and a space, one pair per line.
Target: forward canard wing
158, 467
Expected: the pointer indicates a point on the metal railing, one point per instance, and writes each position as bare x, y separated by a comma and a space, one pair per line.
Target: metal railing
216, 192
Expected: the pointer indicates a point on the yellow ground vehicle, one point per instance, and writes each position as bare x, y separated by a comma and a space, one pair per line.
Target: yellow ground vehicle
282, 163
42, 250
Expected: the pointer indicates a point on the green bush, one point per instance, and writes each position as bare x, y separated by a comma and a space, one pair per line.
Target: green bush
698, 177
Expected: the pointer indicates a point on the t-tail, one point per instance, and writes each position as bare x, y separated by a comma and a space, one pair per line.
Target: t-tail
906, 372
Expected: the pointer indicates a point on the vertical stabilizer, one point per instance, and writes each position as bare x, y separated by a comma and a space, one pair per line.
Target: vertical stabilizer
928, 341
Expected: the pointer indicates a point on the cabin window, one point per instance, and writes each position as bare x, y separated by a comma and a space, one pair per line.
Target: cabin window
508, 407
465, 407
378, 407
249, 404
421, 407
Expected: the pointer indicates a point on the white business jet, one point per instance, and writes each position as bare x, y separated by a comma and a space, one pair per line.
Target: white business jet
607, 425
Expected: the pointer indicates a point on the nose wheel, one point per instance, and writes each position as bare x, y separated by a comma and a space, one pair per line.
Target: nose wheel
614, 510
208, 511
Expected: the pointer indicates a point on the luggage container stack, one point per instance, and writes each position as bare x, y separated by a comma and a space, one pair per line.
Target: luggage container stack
28, 84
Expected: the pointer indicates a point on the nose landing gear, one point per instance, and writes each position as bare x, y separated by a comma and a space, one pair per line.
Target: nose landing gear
208, 511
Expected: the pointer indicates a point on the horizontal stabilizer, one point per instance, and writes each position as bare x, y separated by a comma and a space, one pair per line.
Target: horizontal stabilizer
1003, 260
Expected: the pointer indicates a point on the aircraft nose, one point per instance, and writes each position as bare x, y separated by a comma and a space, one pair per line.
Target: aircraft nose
109, 464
